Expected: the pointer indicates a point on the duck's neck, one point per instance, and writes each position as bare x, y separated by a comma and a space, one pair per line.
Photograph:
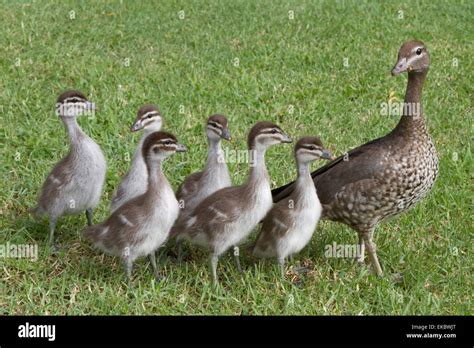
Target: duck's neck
156, 177
74, 132
303, 171
214, 154
258, 169
412, 116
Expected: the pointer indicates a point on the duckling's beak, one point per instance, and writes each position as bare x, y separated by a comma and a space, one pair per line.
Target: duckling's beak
136, 126
181, 148
226, 134
400, 67
286, 139
326, 154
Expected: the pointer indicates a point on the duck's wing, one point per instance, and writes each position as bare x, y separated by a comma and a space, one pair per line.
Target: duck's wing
58, 182
122, 227
220, 208
189, 186
358, 164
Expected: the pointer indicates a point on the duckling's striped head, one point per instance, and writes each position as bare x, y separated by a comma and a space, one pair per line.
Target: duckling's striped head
412, 57
159, 145
217, 127
148, 118
265, 134
73, 103
309, 149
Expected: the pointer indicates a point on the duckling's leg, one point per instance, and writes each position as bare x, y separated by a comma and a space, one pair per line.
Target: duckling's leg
361, 251
128, 265
281, 263
89, 216
236, 253
52, 227
213, 265
371, 250
179, 246
158, 276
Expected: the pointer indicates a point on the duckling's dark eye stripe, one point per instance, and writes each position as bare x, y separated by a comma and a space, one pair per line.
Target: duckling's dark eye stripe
150, 114
214, 124
271, 131
167, 140
309, 147
73, 100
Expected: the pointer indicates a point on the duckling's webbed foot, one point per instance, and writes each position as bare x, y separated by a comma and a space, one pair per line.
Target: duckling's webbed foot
89, 216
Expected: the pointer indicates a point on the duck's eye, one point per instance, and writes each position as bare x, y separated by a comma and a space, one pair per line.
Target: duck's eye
167, 142
273, 131
418, 51
149, 116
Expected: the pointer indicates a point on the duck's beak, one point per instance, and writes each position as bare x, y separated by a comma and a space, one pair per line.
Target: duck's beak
136, 126
401, 66
328, 155
286, 139
181, 148
226, 134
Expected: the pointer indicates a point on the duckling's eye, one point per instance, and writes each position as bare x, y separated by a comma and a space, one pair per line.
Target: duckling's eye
149, 116
273, 131
167, 142
418, 51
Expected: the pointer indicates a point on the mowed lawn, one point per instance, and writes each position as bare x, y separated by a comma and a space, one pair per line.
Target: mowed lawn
322, 69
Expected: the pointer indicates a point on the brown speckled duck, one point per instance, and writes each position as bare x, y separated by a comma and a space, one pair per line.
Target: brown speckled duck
386, 176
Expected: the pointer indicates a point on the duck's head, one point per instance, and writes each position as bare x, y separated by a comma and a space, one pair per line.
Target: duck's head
159, 145
73, 103
217, 128
148, 118
412, 57
309, 149
265, 134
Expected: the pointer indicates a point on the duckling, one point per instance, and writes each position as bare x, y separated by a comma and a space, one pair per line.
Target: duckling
134, 183
215, 175
75, 183
142, 224
227, 216
290, 224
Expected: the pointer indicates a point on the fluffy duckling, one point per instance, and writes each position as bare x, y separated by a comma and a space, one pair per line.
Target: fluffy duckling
290, 224
75, 183
134, 183
214, 177
227, 216
141, 225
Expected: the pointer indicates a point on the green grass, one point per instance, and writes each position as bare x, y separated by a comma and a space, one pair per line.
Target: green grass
190, 63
